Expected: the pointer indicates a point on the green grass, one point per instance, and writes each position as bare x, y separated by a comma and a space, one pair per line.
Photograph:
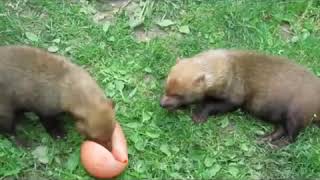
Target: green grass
164, 145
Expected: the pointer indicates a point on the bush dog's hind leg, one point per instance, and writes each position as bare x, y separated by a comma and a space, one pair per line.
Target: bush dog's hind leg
294, 124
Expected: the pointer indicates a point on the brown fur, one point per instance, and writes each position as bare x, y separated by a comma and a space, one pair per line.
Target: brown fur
32, 80
270, 87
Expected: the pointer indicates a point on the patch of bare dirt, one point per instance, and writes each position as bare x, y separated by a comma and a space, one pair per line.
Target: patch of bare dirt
104, 11
144, 36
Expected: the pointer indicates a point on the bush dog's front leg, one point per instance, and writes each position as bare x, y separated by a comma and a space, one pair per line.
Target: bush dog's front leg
211, 107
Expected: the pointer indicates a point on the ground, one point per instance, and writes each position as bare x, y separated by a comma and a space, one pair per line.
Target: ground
129, 48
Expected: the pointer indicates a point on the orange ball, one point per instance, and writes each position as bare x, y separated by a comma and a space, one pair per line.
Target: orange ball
100, 162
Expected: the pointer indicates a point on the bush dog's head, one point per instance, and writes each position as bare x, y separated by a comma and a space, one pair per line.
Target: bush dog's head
185, 84
191, 79
97, 123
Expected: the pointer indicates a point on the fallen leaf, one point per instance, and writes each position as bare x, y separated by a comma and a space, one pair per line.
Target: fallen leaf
184, 29
139, 145
175, 149
208, 161
244, 147
56, 40
133, 125
224, 123
106, 26
176, 175
212, 171
111, 39
41, 153
295, 39
233, 171
135, 22
53, 49
146, 116
305, 34
165, 23
119, 85
132, 93
73, 161
148, 70
165, 149
88, 10
68, 49
32, 37
152, 135
134, 138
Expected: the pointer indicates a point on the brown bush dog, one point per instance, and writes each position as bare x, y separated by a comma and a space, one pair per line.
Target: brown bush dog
33, 80
272, 88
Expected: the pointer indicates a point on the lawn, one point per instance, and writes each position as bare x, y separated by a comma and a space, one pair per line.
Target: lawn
130, 54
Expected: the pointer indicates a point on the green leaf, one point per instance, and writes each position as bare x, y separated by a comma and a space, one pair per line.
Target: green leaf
56, 40
233, 171
88, 10
165, 23
224, 123
229, 142
146, 116
208, 161
11, 172
165, 149
294, 39
135, 22
139, 166
134, 137
68, 49
41, 154
148, 70
106, 26
212, 171
258, 166
152, 135
132, 93
139, 145
53, 49
111, 39
32, 37
244, 147
73, 161
175, 149
176, 175
305, 34
133, 125
184, 29
119, 85
259, 132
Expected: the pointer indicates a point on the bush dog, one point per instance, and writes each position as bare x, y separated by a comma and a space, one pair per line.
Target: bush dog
271, 88
33, 80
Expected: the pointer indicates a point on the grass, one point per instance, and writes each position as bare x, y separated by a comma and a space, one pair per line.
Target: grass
163, 145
